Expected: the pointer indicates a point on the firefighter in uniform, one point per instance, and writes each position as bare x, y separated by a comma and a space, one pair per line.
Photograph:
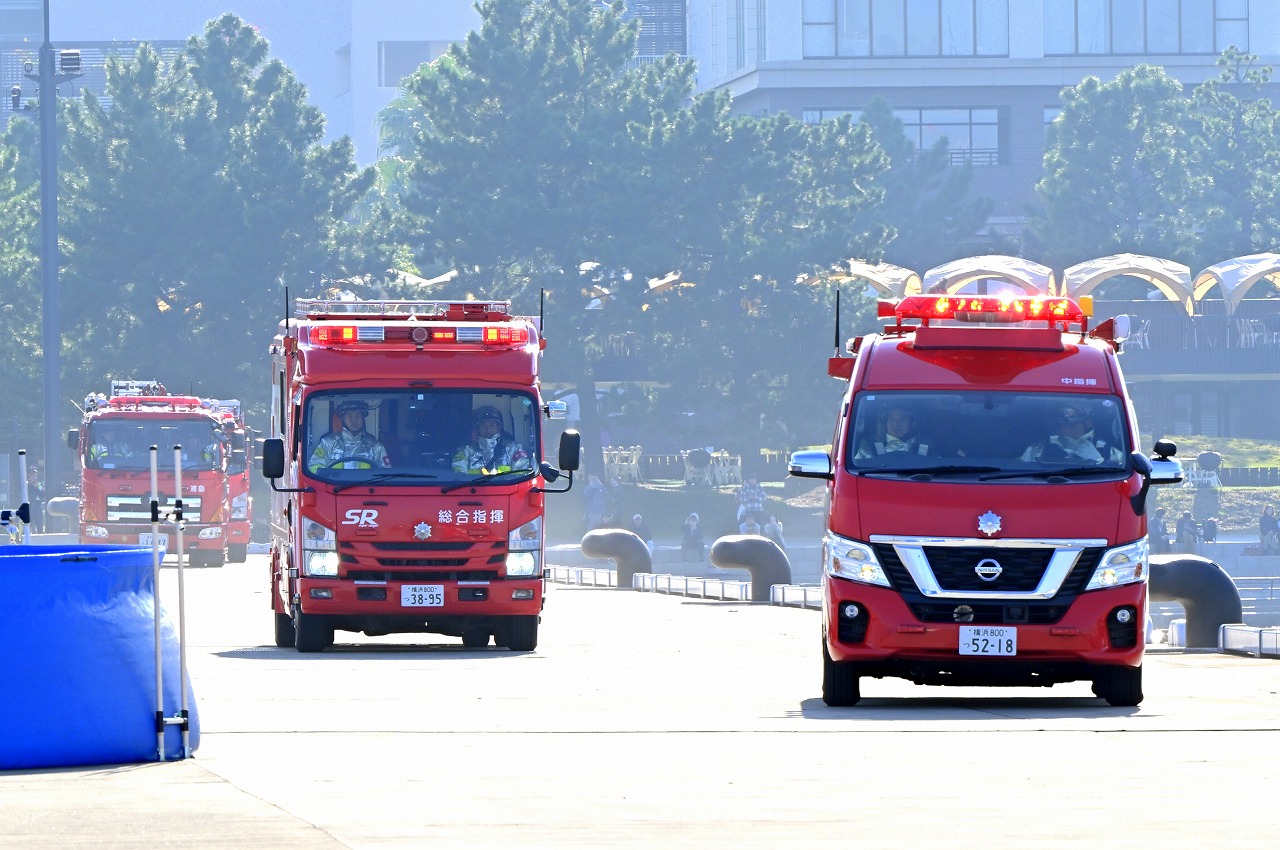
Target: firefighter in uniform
350, 447
490, 450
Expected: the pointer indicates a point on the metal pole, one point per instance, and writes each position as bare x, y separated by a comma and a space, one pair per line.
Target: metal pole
51, 337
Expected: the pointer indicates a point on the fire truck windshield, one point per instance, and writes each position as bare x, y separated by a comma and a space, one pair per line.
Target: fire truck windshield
447, 436
125, 443
987, 435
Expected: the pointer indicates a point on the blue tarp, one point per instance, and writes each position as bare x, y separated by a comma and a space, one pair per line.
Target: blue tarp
77, 659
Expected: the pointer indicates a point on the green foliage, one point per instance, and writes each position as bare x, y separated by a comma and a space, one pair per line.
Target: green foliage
186, 202
1117, 172
20, 318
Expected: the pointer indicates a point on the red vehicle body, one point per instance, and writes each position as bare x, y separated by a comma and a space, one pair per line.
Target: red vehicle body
1005, 542
113, 443
239, 452
404, 536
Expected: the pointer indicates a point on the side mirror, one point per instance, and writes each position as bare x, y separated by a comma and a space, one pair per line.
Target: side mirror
73, 439
549, 472
570, 450
810, 464
556, 409
273, 458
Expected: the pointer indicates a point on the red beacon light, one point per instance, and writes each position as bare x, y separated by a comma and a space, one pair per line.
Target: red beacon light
334, 334
995, 309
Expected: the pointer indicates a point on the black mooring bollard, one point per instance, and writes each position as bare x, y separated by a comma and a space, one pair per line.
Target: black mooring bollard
625, 548
1202, 588
759, 556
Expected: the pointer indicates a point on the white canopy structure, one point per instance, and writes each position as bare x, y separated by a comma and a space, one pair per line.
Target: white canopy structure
1008, 273
1172, 279
1236, 276
886, 278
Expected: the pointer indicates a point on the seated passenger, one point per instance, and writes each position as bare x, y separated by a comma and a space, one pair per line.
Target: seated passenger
491, 449
897, 435
1074, 441
350, 447
109, 446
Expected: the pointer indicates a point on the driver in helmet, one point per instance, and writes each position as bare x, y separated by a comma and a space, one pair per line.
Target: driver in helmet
351, 446
491, 449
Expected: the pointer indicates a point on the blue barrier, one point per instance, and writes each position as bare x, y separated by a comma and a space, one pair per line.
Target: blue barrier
77, 633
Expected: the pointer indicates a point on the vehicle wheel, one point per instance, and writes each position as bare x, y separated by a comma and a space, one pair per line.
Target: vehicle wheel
285, 635
518, 633
839, 681
237, 553
1119, 685
312, 633
475, 638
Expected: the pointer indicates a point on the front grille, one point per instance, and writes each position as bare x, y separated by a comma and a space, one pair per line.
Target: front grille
416, 560
985, 613
954, 568
122, 508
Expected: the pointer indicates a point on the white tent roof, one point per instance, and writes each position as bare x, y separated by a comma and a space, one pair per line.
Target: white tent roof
1028, 276
1172, 279
1236, 276
886, 278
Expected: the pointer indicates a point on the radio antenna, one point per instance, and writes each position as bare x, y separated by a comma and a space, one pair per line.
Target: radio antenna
837, 337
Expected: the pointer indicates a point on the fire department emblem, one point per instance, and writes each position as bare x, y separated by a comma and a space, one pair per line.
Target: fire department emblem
989, 523
422, 531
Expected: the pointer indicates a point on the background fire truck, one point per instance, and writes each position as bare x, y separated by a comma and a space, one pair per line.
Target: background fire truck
395, 516
239, 454
114, 445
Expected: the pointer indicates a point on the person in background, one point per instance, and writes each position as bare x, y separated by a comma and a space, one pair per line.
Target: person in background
749, 525
596, 507
691, 544
750, 498
773, 530
1186, 532
1158, 533
641, 528
35, 498
1269, 530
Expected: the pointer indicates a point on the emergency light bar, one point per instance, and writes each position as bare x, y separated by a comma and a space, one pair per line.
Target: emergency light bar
985, 308
491, 335
456, 311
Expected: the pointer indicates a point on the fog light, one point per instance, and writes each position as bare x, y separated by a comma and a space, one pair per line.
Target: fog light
321, 593
1124, 615
850, 611
523, 593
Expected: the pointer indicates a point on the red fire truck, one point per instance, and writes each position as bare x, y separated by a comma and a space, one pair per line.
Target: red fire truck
987, 502
114, 442
408, 435
239, 453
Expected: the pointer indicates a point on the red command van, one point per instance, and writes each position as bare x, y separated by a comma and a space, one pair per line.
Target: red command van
987, 502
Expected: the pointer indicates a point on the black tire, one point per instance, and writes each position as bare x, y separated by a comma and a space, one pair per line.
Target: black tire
475, 638
237, 553
285, 635
519, 634
839, 681
1119, 685
312, 633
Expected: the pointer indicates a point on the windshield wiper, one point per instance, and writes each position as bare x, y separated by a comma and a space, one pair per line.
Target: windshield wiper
385, 476
480, 479
929, 471
1062, 472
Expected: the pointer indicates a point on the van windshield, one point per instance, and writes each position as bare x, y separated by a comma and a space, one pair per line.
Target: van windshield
402, 436
988, 434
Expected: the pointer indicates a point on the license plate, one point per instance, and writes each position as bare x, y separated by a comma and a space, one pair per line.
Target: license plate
422, 595
145, 540
988, 640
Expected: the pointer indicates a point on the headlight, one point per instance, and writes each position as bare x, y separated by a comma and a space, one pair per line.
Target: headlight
522, 563
526, 537
1122, 565
318, 538
210, 533
95, 531
322, 564
240, 507
852, 560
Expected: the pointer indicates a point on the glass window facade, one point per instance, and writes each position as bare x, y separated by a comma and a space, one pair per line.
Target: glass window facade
973, 134
1142, 27
896, 28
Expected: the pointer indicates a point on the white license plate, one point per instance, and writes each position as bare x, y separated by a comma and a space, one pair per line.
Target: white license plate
145, 540
988, 640
422, 595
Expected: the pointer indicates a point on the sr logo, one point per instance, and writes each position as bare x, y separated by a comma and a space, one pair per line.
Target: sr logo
362, 518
